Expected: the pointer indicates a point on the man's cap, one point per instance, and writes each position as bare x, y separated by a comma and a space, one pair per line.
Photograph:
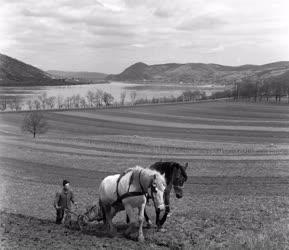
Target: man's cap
65, 182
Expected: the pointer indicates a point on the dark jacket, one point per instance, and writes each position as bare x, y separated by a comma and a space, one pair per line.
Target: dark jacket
63, 199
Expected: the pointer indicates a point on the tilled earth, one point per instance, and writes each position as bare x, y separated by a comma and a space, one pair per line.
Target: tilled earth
24, 232
236, 196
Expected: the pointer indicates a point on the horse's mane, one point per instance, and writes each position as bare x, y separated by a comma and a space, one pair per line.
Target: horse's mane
184, 173
128, 170
167, 167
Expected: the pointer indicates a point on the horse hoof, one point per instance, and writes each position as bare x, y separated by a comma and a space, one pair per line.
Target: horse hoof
162, 230
141, 238
149, 224
127, 233
114, 231
111, 234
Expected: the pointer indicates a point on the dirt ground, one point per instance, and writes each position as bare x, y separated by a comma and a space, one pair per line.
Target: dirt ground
236, 196
24, 232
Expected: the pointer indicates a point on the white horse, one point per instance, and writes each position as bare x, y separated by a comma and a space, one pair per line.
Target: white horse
128, 191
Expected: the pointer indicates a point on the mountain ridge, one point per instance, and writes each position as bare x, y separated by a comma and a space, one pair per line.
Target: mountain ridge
199, 73
14, 72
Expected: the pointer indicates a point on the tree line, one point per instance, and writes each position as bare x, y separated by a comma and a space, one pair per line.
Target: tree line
93, 99
268, 90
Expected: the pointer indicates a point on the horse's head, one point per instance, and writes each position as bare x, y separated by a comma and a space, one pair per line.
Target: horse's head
179, 178
158, 187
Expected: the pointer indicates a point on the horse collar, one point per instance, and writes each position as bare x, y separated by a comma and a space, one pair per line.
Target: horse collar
141, 186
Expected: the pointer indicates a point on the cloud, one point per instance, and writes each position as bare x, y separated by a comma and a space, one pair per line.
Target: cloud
114, 7
201, 23
113, 32
162, 13
217, 49
138, 45
137, 3
81, 17
199, 44
121, 31
108, 44
30, 13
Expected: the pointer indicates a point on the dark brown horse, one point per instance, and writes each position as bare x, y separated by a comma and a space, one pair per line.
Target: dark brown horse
176, 176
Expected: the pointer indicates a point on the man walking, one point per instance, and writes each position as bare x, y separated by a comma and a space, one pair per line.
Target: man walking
63, 201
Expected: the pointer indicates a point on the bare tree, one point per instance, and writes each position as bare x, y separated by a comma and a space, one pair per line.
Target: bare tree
51, 102
68, 102
107, 98
90, 98
34, 123
3, 104
16, 104
98, 97
76, 101
59, 102
122, 97
286, 90
43, 100
189, 95
82, 102
37, 104
133, 97
29, 103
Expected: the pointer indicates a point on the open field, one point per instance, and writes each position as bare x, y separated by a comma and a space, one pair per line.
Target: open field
236, 195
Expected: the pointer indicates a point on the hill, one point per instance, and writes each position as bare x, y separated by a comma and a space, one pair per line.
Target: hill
199, 73
79, 75
17, 73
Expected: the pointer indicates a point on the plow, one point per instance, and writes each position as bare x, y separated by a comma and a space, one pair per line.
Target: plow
80, 221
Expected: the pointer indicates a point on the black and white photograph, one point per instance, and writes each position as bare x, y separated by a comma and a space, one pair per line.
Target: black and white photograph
144, 124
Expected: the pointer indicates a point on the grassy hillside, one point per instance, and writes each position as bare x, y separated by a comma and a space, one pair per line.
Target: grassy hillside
236, 194
16, 73
199, 73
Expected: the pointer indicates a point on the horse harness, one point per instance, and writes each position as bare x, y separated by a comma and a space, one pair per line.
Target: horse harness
134, 193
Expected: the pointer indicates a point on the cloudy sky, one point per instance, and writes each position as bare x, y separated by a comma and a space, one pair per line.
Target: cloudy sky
109, 35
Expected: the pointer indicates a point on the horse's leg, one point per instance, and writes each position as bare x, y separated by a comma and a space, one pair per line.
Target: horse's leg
129, 213
157, 217
141, 220
100, 212
167, 204
111, 226
149, 222
146, 216
108, 218
103, 210
164, 218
